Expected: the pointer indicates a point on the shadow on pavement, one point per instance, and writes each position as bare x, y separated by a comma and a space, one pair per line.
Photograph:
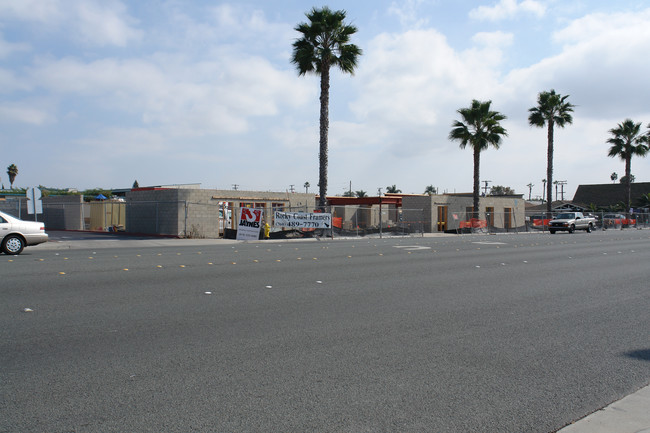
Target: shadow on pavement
642, 354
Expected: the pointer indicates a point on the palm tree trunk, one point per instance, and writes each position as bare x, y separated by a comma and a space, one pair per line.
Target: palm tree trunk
477, 163
549, 169
324, 128
628, 183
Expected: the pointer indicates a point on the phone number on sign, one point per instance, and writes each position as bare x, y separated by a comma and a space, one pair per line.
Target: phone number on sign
301, 224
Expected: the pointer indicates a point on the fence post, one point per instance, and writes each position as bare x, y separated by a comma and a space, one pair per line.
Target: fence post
185, 222
331, 222
356, 220
380, 224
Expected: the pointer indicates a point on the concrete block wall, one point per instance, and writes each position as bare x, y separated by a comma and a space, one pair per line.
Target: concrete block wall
411, 206
155, 212
195, 212
201, 213
62, 212
59, 212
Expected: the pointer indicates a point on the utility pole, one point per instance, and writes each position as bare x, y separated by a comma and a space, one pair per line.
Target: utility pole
561, 183
379, 192
485, 188
292, 189
530, 190
235, 186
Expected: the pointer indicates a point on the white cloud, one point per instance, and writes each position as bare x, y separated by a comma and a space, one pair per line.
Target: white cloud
8, 48
508, 9
408, 13
602, 65
217, 97
106, 23
224, 30
24, 113
412, 83
494, 39
424, 88
91, 22
9, 82
32, 10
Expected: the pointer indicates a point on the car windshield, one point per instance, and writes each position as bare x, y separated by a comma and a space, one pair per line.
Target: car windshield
565, 216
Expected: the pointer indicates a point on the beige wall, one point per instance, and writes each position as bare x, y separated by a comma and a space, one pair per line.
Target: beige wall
196, 212
457, 206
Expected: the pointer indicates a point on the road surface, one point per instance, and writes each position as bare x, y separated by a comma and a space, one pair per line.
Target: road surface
505, 333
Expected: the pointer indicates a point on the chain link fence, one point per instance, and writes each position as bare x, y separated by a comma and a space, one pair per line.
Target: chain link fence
220, 219
353, 220
538, 221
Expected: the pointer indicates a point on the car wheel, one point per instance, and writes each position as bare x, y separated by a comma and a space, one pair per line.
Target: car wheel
589, 228
572, 229
13, 245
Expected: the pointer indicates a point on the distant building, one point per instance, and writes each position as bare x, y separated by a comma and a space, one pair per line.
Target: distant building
608, 194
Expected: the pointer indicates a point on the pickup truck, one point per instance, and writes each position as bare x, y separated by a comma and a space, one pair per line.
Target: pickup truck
570, 222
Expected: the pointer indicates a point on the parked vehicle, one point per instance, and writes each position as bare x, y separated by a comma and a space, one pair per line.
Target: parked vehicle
16, 234
570, 222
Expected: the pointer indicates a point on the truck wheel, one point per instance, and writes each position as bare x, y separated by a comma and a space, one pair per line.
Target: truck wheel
589, 227
572, 228
552, 232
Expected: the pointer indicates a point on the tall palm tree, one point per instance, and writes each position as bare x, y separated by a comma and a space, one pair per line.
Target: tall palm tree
479, 129
530, 190
12, 172
325, 42
552, 109
626, 142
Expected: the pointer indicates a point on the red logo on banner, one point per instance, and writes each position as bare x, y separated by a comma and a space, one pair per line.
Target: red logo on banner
251, 215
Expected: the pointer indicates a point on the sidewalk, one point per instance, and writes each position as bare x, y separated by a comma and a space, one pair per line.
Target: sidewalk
631, 414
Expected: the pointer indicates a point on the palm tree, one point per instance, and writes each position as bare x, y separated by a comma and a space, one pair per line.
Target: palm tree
361, 194
12, 172
644, 200
393, 189
479, 128
431, 190
626, 142
325, 42
613, 177
307, 185
552, 109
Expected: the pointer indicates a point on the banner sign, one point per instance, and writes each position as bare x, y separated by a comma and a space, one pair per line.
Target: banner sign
303, 220
250, 222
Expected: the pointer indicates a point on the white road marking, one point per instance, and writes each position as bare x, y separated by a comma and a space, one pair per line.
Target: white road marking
412, 247
490, 243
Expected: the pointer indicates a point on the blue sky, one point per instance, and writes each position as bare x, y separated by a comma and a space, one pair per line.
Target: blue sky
99, 93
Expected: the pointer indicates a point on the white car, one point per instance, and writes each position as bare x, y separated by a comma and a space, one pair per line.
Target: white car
16, 234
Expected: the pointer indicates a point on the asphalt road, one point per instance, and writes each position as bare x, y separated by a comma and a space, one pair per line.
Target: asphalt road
506, 333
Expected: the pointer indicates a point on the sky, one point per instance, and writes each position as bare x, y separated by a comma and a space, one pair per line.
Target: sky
101, 93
